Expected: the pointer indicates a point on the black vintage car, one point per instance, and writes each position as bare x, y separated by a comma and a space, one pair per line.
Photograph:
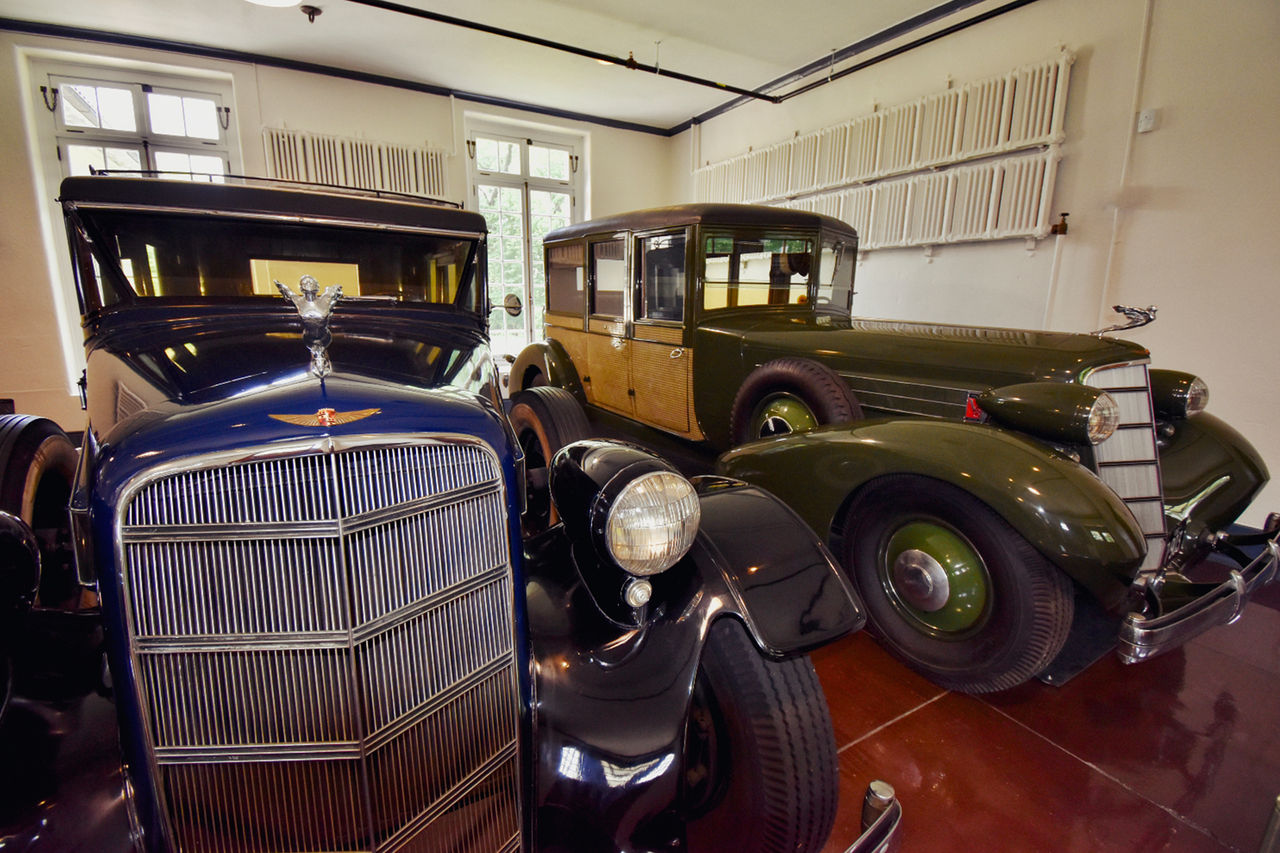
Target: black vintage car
295, 539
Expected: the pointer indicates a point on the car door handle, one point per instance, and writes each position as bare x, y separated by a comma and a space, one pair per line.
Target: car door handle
677, 352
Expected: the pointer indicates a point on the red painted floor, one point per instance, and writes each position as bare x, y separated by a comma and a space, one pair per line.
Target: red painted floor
1180, 753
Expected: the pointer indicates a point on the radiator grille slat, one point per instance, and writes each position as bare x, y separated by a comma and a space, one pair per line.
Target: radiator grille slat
352, 687
1128, 461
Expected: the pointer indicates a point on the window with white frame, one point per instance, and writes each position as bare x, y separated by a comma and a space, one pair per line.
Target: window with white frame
117, 116
525, 187
133, 126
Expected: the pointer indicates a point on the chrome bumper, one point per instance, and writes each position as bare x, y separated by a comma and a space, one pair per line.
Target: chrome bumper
881, 819
1178, 609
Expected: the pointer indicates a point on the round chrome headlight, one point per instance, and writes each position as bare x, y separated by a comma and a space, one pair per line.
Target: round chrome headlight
1197, 396
652, 522
1104, 417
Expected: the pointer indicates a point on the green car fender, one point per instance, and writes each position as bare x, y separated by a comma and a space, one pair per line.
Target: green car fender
1056, 504
1209, 471
551, 360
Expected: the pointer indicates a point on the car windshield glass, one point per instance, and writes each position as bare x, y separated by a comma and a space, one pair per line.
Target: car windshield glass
124, 255
835, 276
756, 270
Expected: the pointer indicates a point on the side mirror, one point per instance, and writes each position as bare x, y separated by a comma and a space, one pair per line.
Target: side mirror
512, 305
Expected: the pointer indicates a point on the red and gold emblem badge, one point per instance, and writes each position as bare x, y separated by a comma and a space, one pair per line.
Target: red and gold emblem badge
326, 417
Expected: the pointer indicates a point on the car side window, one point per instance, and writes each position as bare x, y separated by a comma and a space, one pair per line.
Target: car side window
835, 276
765, 270
608, 277
566, 279
661, 277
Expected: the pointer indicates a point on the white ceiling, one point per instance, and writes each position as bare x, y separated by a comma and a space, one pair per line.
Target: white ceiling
744, 43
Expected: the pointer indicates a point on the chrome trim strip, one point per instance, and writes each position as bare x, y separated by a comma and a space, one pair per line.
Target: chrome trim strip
1183, 510
301, 529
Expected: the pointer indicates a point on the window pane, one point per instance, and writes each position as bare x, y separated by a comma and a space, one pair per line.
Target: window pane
501, 207
661, 273
201, 116
509, 158
835, 286
163, 254
83, 158
208, 165
80, 106
538, 162
123, 159
553, 163
116, 109
755, 271
565, 292
200, 166
609, 278
496, 155
486, 154
173, 161
166, 114
107, 107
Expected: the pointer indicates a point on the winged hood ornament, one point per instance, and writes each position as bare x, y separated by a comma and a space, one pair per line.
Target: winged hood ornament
1136, 317
314, 308
326, 417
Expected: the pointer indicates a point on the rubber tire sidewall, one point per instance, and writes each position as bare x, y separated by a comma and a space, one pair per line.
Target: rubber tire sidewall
1030, 601
31, 450
816, 385
553, 418
782, 787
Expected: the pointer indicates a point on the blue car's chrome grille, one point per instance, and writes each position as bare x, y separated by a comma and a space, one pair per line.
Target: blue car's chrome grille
324, 649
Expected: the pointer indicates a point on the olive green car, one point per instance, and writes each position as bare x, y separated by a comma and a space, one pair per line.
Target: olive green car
980, 486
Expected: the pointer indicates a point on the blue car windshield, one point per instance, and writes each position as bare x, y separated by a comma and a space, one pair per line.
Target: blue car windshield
131, 255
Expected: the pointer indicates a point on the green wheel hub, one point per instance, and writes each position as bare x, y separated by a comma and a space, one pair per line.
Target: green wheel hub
935, 578
781, 414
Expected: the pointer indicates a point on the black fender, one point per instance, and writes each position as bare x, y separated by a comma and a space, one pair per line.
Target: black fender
551, 360
612, 699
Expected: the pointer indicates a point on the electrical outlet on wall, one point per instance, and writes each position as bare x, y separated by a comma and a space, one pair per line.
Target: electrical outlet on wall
1148, 120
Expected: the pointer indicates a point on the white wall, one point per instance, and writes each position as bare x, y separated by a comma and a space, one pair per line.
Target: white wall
1185, 219
34, 365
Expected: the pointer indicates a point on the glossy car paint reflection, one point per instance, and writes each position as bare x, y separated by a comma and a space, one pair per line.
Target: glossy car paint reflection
611, 698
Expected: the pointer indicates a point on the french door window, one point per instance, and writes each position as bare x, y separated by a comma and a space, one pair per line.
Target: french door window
524, 188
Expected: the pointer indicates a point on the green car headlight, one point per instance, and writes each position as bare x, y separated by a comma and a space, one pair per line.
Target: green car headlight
1058, 411
652, 522
1178, 395
1104, 417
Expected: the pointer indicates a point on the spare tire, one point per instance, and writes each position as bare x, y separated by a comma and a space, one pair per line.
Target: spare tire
545, 418
789, 395
37, 469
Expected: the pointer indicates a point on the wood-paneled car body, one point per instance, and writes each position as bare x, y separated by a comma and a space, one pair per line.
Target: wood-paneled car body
295, 536
982, 476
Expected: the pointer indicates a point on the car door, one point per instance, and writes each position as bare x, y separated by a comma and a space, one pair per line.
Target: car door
606, 381
661, 361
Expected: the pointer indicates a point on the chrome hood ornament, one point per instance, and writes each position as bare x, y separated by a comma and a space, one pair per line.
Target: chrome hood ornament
314, 308
1136, 317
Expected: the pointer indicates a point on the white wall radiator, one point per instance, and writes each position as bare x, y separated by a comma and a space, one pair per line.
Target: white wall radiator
298, 155
976, 162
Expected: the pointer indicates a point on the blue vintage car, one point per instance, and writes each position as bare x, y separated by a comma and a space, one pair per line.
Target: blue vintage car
295, 539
